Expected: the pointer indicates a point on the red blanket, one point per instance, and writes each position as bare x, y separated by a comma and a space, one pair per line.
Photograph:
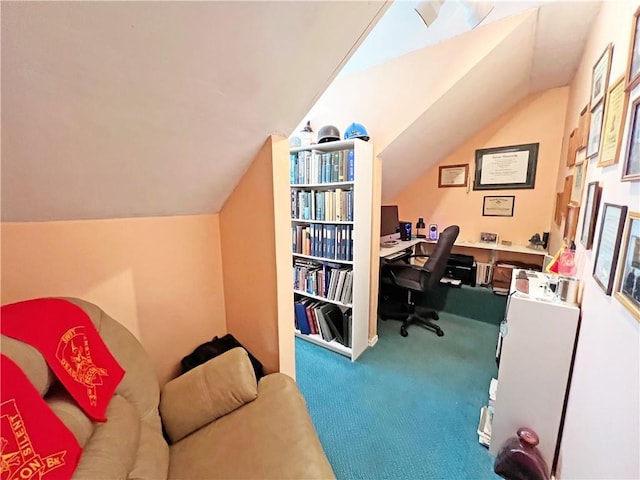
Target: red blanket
64, 334
34, 443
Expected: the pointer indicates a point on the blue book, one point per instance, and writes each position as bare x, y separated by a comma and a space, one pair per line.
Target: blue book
350, 166
301, 318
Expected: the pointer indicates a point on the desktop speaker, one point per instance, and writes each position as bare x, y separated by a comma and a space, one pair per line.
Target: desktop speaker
405, 230
433, 231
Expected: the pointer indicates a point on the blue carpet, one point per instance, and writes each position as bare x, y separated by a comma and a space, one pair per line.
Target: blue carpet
409, 407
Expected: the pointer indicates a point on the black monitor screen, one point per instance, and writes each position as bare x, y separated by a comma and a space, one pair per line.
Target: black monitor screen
389, 220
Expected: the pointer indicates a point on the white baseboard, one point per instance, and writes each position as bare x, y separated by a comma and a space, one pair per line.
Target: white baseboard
373, 341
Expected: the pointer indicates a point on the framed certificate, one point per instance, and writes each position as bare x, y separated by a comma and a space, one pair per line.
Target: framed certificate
628, 285
503, 168
498, 206
453, 175
611, 224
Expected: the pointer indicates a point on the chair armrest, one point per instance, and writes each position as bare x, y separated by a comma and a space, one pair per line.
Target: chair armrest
207, 392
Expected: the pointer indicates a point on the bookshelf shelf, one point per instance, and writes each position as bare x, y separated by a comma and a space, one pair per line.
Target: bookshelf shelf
323, 259
326, 222
333, 345
331, 209
324, 299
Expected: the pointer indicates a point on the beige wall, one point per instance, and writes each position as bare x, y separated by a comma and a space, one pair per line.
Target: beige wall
161, 277
602, 427
257, 273
537, 119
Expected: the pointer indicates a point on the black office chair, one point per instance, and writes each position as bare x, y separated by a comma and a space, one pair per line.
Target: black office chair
418, 280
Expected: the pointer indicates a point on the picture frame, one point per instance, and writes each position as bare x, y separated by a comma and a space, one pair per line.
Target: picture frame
557, 217
600, 77
498, 206
613, 123
631, 167
572, 147
581, 156
583, 127
505, 168
606, 258
453, 175
632, 72
571, 223
579, 176
488, 237
590, 214
628, 282
595, 129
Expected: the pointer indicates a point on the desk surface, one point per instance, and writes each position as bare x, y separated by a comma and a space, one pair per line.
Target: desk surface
404, 244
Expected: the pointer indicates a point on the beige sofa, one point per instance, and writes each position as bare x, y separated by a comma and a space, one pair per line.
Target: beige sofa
220, 423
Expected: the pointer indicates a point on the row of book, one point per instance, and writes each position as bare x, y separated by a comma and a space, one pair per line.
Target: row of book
312, 167
313, 317
333, 282
333, 242
330, 205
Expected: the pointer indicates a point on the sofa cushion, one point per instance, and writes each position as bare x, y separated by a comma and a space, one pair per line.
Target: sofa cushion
207, 392
271, 437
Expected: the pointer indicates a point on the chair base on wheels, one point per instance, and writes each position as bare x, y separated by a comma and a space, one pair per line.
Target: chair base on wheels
408, 316
415, 319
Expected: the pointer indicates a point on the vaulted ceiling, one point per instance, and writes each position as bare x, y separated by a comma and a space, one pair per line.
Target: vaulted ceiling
121, 109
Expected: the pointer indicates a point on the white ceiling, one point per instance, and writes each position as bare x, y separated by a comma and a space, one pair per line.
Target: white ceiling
121, 109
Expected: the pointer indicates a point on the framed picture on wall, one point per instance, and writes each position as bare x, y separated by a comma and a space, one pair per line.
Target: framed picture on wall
498, 206
600, 77
583, 127
590, 214
633, 63
611, 225
453, 175
628, 283
595, 128
579, 175
613, 124
501, 168
631, 168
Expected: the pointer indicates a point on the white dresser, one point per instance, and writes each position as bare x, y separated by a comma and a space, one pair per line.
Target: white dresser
535, 351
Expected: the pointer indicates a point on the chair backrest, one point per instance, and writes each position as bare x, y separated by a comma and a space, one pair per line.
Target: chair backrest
437, 262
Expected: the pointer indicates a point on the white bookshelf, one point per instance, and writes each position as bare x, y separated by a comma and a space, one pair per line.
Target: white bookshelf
361, 225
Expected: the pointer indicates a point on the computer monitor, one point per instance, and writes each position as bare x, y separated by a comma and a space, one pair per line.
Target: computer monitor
389, 225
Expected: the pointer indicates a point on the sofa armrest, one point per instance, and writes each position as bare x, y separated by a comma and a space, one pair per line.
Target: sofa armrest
207, 392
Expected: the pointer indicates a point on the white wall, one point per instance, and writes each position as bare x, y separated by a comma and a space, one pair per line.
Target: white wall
602, 428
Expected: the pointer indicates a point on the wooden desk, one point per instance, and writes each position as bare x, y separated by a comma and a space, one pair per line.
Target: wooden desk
495, 248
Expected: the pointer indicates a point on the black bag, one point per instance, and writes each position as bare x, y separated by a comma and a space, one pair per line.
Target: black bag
215, 347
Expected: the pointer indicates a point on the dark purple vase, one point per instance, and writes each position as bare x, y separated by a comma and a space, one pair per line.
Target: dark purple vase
519, 459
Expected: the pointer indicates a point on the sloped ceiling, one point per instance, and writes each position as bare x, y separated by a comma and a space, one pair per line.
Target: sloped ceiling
542, 52
121, 109
420, 107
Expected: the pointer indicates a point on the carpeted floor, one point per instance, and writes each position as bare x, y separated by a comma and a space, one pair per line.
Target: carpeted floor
409, 407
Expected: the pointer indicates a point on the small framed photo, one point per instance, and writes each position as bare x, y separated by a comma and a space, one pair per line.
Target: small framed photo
600, 77
487, 237
631, 169
611, 225
579, 175
498, 206
633, 63
628, 283
453, 175
613, 124
590, 214
595, 129
572, 147
506, 168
